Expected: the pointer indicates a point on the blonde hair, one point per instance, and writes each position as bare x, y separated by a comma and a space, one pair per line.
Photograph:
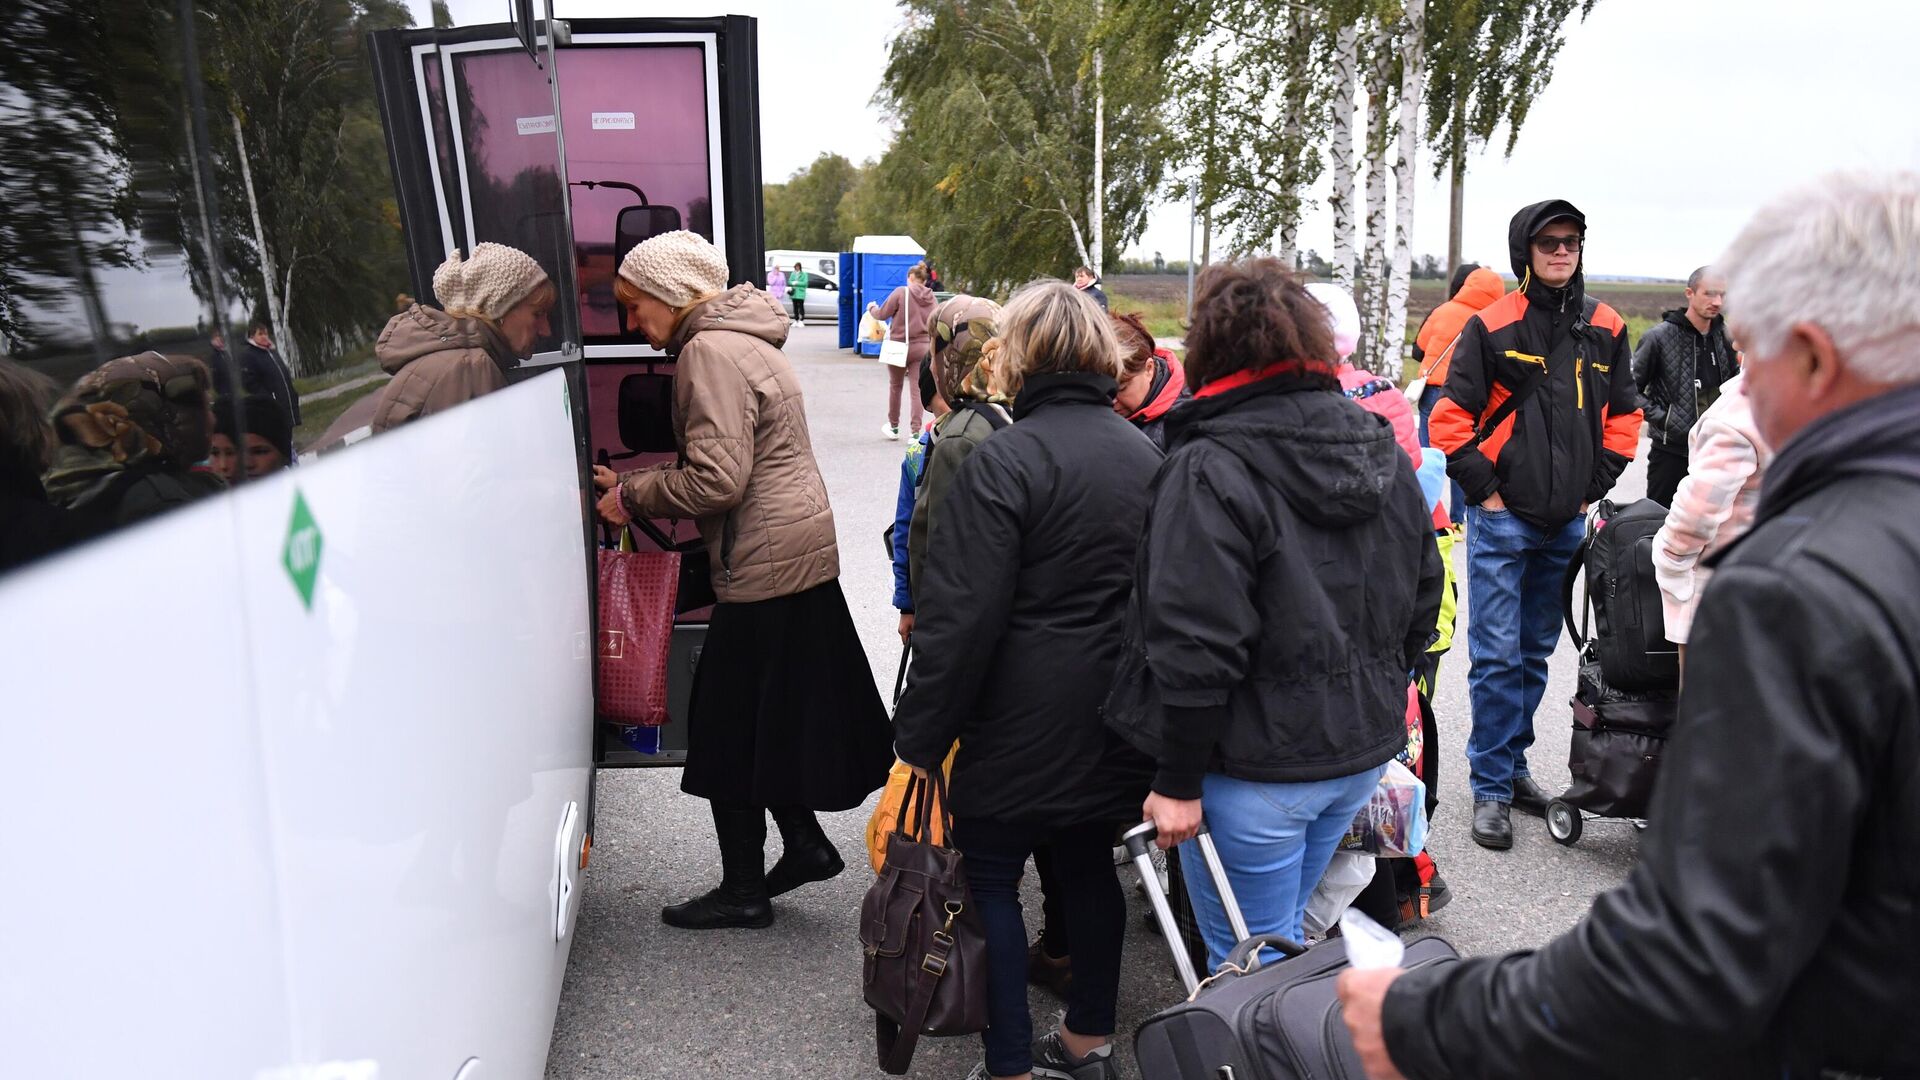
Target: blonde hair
544, 296
1050, 326
626, 293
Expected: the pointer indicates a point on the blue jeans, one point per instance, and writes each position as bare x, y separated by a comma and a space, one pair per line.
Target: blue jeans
1096, 914
1428, 399
1275, 841
1515, 574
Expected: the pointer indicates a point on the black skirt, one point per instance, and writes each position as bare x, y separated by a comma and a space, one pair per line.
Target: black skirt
784, 710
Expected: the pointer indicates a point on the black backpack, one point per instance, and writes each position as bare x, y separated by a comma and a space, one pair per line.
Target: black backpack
1629, 632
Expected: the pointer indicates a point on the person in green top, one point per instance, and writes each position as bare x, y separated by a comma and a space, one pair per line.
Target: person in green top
797, 288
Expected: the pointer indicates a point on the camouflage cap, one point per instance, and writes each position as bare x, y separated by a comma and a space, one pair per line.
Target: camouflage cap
962, 326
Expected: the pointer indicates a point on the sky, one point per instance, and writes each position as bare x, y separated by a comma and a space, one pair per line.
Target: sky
1668, 122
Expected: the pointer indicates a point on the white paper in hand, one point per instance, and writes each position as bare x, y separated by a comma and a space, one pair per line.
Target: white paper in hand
1369, 945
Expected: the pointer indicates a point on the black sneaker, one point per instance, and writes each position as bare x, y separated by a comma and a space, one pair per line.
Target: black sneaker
1051, 1058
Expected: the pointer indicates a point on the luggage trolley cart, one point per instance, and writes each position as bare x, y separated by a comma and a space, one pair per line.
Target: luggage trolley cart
1628, 691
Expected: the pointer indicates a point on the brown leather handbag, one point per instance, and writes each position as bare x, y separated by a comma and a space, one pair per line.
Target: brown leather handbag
926, 954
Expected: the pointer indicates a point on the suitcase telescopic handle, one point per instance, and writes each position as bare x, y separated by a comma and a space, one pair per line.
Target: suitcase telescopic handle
1139, 842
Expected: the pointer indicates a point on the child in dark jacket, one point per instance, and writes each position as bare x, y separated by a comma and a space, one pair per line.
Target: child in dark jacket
913, 470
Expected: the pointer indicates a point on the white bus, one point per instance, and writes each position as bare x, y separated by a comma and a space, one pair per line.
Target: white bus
296, 781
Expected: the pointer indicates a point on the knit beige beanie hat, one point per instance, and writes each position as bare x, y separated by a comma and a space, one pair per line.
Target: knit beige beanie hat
677, 268
489, 282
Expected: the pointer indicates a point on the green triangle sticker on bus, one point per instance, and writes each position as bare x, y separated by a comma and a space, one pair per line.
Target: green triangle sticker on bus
301, 556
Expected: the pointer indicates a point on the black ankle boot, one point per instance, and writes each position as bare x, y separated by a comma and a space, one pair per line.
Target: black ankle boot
741, 899
809, 855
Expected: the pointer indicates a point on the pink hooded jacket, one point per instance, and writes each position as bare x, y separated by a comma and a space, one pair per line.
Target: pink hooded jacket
1714, 505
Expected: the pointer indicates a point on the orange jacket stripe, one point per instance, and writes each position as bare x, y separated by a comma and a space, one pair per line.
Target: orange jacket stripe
1450, 427
1622, 433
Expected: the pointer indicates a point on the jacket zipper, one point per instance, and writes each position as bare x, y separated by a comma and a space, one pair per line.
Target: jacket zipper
726, 549
1580, 383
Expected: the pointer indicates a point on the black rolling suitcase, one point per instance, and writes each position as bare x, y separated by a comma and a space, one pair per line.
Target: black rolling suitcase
1278, 1020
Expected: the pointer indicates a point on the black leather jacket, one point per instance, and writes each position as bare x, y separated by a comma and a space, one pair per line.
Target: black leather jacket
1772, 925
1678, 371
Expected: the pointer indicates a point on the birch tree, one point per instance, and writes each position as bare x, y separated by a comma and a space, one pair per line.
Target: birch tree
1488, 60
1031, 131
1346, 65
1252, 112
1371, 292
1393, 343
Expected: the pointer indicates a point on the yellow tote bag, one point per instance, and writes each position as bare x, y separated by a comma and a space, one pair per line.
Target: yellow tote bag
886, 816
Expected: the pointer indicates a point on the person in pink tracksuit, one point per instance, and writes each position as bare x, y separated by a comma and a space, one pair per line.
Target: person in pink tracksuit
1713, 506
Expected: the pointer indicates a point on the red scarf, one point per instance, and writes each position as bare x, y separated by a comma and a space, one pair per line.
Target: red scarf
1253, 375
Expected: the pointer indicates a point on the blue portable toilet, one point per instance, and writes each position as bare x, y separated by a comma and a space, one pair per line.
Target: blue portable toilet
849, 311
879, 265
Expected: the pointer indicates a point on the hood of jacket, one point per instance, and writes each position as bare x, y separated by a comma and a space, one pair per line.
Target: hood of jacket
1530, 220
1458, 279
1169, 386
1873, 436
1333, 461
742, 309
1482, 287
421, 330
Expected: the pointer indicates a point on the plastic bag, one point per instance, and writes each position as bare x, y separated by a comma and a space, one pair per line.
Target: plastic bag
1393, 824
886, 815
872, 329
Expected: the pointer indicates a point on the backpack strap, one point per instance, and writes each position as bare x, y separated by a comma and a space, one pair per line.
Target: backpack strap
1535, 380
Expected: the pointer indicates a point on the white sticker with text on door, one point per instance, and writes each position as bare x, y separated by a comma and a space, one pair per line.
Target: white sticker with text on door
613, 121
534, 125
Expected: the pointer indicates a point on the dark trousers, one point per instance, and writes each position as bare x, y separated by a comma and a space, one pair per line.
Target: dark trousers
1096, 912
799, 310
1665, 470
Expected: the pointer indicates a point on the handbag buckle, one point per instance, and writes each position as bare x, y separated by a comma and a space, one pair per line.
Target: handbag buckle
953, 908
934, 964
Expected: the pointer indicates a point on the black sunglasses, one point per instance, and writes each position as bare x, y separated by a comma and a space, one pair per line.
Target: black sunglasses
1547, 245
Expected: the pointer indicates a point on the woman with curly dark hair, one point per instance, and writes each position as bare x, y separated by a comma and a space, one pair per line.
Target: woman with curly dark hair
1287, 583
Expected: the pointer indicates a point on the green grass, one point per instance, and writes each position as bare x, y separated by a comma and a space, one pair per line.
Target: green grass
1164, 317
356, 364
316, 417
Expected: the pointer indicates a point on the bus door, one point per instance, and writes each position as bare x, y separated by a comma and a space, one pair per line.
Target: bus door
652, 126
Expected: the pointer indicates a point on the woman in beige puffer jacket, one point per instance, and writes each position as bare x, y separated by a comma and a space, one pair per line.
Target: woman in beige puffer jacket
496, 306
784, 715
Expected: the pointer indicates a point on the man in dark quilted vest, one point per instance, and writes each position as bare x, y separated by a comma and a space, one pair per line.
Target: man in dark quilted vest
1538, 418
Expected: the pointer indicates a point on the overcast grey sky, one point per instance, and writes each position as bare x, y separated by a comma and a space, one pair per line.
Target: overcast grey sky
1668, 121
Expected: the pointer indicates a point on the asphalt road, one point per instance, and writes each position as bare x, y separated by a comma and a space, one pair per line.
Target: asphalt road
643, 1000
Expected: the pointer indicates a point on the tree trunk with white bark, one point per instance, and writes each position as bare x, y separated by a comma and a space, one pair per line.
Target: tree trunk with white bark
1394, 349
1372, 292
1097, 212
1340, 202
276, 314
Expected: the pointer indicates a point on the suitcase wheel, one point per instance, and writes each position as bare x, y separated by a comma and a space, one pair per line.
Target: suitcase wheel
1563, 822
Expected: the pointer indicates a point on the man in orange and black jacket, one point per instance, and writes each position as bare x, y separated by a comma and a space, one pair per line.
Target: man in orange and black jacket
1538, 419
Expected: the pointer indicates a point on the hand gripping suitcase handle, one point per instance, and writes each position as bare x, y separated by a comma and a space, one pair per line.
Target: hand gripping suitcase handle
1139, 842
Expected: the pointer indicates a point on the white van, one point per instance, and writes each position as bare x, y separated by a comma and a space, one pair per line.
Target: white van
823, 281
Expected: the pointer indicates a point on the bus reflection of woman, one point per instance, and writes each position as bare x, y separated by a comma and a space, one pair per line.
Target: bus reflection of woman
784, 714
496, 304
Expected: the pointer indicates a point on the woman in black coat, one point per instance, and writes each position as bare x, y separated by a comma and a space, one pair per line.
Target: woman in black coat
1027, 577
1288, 584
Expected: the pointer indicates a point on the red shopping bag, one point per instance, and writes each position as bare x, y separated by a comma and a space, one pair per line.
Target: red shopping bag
637, 594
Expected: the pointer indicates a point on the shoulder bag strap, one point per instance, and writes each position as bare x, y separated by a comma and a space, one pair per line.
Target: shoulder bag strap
900, 680
1507, 408
897, 1042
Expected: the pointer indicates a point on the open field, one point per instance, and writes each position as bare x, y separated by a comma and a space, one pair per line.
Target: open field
1162, 299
